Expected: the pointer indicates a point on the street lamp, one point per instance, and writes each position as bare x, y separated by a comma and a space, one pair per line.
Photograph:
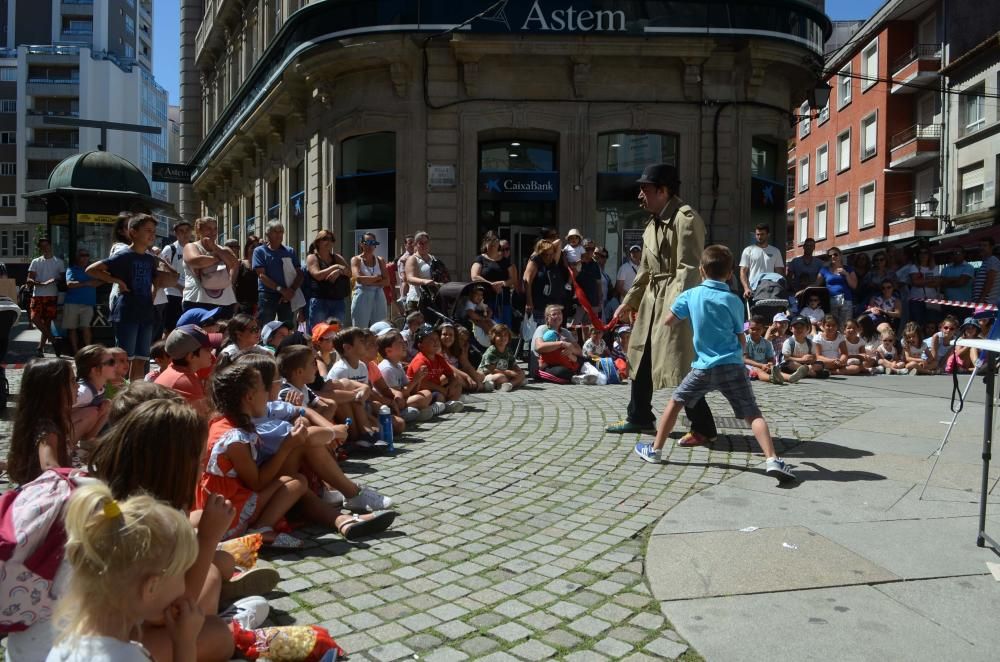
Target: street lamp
932, 205
820, 95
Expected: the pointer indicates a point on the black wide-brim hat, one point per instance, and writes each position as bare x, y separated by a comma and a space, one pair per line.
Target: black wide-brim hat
660, 174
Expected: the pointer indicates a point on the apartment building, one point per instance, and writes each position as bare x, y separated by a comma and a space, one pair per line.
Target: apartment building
906, 149
64, 59
404, 115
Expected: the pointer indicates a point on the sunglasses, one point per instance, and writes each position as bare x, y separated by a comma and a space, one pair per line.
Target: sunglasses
370, 242
252, 329
947, 328
326, 239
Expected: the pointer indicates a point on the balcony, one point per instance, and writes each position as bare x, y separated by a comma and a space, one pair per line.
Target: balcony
918, 210
51, 151
915, 146
42, 87
919, 66
78, 8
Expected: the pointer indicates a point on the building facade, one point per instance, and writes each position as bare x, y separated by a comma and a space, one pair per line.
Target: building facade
70, 59
462, 118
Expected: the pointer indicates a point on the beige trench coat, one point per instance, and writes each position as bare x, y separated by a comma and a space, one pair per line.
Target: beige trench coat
671, 254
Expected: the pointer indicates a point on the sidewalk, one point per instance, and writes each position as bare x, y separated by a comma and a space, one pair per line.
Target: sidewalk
849, 563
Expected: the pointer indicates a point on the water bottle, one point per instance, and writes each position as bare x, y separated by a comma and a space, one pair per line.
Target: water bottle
385, 423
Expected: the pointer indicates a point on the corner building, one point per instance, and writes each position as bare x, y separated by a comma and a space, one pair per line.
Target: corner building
464, 117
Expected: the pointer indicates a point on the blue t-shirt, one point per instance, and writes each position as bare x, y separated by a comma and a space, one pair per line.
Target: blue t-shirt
274, 427
273, 263
761, 351
137, 270
962, 292
84, 296
717, 317
837, 284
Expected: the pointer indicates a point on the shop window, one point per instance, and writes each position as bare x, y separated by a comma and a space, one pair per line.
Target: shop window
366, 186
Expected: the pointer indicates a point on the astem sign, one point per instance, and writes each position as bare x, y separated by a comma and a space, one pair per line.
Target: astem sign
571, 19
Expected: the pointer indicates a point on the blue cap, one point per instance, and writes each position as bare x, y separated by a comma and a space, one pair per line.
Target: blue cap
198, 316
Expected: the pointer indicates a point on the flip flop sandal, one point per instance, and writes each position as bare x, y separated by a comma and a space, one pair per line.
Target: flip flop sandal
362, 526
258, 581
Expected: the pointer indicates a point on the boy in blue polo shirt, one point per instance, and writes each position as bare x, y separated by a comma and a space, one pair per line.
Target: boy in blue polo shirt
717, 318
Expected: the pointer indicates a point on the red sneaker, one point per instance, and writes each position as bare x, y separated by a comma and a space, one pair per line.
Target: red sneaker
692, 439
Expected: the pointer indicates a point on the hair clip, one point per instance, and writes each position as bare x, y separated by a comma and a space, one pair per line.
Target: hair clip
111, 509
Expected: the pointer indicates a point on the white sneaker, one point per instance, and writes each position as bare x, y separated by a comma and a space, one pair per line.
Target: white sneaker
454, 406
250, 612
506, 387
489, 386
425, 414
588, 380
333, 497
438, 408
411, 414
367, 500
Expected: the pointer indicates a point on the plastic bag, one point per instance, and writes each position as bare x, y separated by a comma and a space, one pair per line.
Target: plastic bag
590, 369
528, 327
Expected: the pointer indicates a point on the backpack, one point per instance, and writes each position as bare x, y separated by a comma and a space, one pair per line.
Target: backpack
32, 544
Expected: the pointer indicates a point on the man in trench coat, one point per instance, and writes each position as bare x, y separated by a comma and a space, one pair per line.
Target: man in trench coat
660, 356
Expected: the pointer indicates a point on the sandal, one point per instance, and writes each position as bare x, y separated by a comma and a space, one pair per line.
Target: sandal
362, 526
258, 581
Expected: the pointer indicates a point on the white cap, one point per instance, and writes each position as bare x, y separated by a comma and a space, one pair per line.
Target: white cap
779, 317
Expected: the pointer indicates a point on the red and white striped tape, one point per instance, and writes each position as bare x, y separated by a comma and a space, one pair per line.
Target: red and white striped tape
976, 307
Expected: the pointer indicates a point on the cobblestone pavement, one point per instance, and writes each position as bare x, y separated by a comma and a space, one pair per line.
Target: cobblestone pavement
521, 533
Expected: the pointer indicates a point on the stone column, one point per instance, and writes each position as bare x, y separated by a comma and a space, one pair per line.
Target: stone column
190, 98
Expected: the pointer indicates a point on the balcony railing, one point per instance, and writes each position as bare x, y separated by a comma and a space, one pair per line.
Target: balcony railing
916, 132
915, 210
54, 81
78, 2
55, 145
973, 206
822, 176
918, 52
54, 113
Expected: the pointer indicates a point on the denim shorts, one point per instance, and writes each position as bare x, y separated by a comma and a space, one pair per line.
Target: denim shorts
731, 380
134, 338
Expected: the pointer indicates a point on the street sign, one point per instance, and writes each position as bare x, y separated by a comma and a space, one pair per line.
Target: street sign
174, 173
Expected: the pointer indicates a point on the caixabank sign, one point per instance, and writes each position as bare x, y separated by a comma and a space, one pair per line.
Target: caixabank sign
513, 185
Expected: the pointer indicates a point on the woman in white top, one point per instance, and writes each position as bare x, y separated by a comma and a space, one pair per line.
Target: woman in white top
418, 269
370, 276
922, 277
208, 277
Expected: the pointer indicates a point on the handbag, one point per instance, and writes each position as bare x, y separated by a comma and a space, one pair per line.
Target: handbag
215, 277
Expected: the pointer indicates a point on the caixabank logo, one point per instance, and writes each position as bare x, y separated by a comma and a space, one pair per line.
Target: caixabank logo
518, 185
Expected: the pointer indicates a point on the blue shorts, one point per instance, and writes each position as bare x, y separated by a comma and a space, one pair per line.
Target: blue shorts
135, 338
731, 380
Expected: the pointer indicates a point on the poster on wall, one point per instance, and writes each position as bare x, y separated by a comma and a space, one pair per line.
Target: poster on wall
630, 237
381, 235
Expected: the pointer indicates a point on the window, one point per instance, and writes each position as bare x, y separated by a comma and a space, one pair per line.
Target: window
366, 185
844, 151
804, 120
866, 206
869, 65
21, 243
8, 137
129, 24
8, 73
869, 136
129, 51
971, 182
822, 164
824, 112
974, 111
820, 231
803, 226
804, 174
8, 200
8, 169
843, 218
790, 186
8, 105
844, 87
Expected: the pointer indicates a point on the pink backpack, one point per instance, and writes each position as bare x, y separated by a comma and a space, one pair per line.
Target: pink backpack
32, 542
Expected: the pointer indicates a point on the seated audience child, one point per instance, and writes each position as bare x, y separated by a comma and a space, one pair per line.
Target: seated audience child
120, 379
831, 350
94, 367
499, 363
869, 334
797, 352
381, 394
716, 316
914, 353
263, 495
963, 359
392, 346
857, 350
242, 336
595, 345
477, 312
190, 350
414, 322
352, 372
322, 343
940, 345
272, 333
813, 312
440, 379
889, 358
159, 360
758, 356
43, 427
469, 357
128, 561
619, 350
450, 351
777, 333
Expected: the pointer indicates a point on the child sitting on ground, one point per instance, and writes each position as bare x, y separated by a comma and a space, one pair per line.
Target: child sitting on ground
120, 380
940, 345
831, 350
716, 316
477, 311
381, 394
776, 334
43, 428
159, 359
128, 562
190, 351
758, 355
414, 322
857, 349
499, 363
352, 371
595, 347
94, 367
888, 356
963, 359
392, 346
914, 352
797, 351
440, 378
619, 350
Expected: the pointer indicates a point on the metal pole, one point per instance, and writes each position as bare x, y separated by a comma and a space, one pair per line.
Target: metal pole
987, 447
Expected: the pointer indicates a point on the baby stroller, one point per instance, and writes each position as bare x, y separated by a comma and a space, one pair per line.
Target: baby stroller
770, 297
9, 314
447, 304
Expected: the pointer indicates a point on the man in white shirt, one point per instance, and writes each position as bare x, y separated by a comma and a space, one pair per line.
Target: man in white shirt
760, 258
44, 274
628, 271
174, 256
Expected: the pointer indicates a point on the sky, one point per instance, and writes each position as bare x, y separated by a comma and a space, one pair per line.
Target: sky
167, 21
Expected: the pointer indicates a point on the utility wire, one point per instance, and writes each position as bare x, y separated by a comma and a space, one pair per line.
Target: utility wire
916, 86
